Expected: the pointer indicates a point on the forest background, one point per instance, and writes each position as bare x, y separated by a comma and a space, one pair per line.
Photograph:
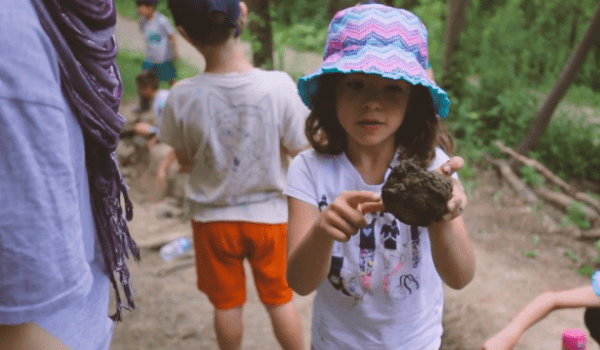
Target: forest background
499, 62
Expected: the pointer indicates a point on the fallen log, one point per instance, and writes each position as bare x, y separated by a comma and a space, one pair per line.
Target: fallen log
513, 180
590, 234
550, 176
564, 201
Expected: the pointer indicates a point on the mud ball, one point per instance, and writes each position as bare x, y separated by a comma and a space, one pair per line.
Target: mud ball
416, 196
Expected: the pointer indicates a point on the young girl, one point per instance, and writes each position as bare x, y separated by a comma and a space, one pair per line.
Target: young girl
540, 307
378, 281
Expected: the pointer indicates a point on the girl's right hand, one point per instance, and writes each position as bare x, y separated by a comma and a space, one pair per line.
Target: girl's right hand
346, 215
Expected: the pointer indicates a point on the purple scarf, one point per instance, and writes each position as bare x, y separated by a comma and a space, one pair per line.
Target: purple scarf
81, 32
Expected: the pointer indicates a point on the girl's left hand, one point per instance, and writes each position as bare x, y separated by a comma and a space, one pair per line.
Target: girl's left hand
458, 202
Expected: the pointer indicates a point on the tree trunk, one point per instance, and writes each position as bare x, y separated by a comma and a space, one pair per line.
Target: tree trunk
540, 123
260, 28
333, 6
457, 19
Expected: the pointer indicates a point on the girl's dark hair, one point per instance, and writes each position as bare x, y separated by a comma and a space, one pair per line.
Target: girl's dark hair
591, 317
420, 132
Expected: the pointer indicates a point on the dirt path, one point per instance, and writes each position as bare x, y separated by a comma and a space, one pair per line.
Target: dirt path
172, 314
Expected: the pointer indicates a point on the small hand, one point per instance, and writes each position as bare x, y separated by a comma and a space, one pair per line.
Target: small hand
458, 201
346, 215
141, 128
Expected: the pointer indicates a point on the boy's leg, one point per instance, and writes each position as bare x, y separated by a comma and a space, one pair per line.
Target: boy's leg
165, 71
220, 252
267, 258
287, 325
229, 328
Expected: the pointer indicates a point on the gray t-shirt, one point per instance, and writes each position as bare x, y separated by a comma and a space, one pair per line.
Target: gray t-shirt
157, 31
51, 268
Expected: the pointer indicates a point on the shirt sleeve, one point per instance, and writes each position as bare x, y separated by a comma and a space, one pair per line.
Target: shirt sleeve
301, 182
170, 127
43, 266
168, 28
293, 136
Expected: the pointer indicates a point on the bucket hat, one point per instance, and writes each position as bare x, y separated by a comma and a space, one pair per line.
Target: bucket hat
376, 39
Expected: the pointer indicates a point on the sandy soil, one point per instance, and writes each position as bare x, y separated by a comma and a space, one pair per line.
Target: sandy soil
172, 314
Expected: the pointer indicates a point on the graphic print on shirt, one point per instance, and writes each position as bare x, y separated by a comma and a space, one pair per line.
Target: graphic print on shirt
153, 38
416, 251
408, 282
392, 260
367, 251
323, 203
238, 137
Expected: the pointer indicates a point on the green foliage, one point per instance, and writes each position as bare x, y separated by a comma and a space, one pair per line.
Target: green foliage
597, 257
531, 253
127, 8
130, 65
577, 216
586, 270
531, 176
569, 254
507, 59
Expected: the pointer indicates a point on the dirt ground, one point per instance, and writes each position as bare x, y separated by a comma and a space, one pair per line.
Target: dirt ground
172, 314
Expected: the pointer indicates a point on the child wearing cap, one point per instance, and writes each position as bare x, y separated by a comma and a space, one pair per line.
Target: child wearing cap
540, 307
161, 46
378, 281
233, 127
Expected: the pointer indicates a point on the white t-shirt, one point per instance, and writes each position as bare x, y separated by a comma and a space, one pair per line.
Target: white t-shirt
382, 290
158, 103
232, 126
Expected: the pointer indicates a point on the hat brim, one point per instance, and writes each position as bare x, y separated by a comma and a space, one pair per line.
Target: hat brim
391, 63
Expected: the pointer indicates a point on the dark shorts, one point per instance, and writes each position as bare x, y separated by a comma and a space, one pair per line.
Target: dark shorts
165, 71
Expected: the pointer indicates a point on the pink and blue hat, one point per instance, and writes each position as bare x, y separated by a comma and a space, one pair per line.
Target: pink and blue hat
376, 39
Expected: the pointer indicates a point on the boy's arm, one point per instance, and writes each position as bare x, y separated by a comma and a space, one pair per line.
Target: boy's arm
539, 308
185, 163
173, 43
293, 153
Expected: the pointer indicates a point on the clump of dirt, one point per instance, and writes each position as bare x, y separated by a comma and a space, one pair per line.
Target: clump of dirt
416, 196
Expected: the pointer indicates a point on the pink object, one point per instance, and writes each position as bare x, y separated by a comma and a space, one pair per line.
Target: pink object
573, 339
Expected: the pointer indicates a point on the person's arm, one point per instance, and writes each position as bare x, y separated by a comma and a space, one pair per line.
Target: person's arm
293, 153
539, 308
27, 336
451, 249
163, 167
311, 234
173, 43
185, 163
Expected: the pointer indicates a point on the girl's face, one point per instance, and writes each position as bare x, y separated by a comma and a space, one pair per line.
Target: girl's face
370, 108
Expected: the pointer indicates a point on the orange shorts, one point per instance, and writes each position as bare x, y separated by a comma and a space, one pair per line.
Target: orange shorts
221, 248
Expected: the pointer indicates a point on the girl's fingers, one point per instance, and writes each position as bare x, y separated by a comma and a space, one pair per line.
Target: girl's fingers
335, 222
354, 198
451, 166
371, 207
